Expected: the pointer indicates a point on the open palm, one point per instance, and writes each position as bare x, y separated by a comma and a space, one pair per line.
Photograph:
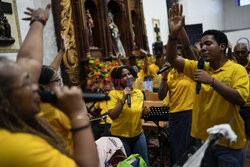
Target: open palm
176, 20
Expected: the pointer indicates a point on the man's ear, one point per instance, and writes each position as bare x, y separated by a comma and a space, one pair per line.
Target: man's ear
223, 46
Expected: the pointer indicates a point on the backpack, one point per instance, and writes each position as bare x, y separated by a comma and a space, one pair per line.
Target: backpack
134, 160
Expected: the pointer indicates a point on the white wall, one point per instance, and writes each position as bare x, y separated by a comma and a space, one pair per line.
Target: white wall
50, 49
208, 12
156, 9
236, 17
234, 36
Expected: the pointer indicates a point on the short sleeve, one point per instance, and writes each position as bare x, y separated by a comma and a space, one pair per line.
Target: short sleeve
97, 105
241, 82
114, 99
189, 67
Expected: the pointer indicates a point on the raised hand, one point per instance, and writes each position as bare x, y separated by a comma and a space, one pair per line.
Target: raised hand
42, 13
176, 20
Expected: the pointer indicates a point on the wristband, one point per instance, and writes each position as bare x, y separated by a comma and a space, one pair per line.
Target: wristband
78, 117
80, 128
38, 18
212, 82
165, 79
172, 39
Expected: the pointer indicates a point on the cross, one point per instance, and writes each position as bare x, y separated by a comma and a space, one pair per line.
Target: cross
157, 30
5, 7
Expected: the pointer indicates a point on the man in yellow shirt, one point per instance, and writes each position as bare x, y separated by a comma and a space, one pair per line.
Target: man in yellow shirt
241, 55
102, 128
224, 87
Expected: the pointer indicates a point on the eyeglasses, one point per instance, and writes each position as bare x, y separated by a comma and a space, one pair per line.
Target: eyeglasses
241, 52
58, 79
28, 80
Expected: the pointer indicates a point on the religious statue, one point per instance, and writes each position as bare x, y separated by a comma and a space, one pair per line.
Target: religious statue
5, 32
117, 44
90, 25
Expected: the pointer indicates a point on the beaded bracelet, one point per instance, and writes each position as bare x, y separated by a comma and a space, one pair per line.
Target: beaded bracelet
38, 18
80, 128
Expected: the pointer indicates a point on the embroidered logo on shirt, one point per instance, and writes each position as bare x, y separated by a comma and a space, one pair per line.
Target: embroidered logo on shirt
226, 80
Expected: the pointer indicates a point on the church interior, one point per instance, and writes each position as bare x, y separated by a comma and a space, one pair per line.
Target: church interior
96, 36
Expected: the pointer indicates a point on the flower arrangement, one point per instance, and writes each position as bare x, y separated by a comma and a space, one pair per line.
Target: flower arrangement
99, 74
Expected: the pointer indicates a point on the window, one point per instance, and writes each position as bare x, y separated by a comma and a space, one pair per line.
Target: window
242, 2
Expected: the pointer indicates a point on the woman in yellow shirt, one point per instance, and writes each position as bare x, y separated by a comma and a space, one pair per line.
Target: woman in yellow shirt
49, 80
26, 139
126, 116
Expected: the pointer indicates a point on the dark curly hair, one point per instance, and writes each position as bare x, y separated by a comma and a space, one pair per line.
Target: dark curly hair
117, 73
47, 73
219, 37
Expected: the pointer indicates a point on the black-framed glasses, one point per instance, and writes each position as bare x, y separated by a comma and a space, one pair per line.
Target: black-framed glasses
58, 79
28, 80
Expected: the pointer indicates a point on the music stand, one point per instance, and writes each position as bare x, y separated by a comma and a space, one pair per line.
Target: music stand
156, 115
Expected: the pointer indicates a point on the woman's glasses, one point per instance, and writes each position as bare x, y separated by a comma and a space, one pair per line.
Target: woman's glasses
58, 79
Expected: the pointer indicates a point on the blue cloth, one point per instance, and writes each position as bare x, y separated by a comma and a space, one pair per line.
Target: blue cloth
221, 156
179, 134
245, 114
136, 145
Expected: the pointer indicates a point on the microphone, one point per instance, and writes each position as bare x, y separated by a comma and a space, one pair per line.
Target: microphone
50, 97
198, 84
129, 100
163, 69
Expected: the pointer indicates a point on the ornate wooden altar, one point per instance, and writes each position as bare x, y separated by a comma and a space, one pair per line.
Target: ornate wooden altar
71, 22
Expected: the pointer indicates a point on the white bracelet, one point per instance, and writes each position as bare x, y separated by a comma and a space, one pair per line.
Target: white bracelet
78, 117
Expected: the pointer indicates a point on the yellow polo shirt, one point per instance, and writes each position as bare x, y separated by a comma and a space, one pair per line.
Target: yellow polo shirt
59, 122
23, 149
103, 105
248, 99
181, 91
166, 100
210, 108
128, 123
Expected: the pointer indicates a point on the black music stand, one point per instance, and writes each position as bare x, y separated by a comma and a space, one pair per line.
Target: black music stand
156, 115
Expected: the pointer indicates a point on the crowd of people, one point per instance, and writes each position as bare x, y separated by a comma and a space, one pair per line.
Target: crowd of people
40, 134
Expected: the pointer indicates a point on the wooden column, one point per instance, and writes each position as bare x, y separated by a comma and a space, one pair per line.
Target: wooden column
108, 33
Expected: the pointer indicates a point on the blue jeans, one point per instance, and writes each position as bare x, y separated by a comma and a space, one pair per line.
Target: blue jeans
179, 134
136, 145
245, 114
221, 156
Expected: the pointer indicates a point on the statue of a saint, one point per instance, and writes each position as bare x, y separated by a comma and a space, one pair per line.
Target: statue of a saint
117, 44
5, 32
90, 25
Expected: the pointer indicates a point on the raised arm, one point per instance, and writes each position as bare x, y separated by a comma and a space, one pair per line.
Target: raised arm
55, 64
30, 55
145, 67
176, 23
186, 47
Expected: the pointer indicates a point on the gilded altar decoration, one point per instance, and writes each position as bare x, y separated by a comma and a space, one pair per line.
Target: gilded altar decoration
70, 58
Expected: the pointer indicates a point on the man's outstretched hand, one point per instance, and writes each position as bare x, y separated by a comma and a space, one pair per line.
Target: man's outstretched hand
42, 13
176, 20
